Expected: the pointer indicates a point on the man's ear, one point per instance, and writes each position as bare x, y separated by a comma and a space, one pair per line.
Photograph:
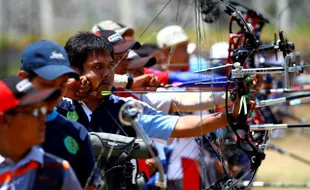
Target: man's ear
22, 74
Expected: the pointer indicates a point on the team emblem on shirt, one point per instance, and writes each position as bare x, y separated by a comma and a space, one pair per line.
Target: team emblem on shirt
71, 145
72, 115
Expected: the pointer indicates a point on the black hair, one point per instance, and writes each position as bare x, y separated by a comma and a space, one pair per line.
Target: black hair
80, 45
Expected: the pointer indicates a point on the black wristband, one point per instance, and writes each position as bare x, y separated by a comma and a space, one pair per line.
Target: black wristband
129, 81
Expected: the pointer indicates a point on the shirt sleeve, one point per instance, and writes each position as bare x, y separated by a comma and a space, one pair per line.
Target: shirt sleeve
120, 81
155, 123
158, 101
196, 101
70, 180
158, 126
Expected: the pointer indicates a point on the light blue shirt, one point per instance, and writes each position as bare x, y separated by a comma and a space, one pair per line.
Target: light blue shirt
26, 180
197, 63
155, 123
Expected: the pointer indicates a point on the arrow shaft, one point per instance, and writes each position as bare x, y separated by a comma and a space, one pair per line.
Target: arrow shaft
270, 102
271, 126
276, 184
282, 90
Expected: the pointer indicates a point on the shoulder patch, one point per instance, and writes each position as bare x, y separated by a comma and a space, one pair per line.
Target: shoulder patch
71, 145
72, 115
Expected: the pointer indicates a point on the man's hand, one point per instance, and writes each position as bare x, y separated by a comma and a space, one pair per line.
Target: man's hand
78, 90
257, 83
145, 82
151, 165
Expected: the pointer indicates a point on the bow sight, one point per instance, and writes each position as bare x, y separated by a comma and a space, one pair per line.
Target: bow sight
287, 69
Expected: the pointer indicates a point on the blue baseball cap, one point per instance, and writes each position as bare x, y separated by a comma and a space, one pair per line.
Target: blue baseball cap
48, 60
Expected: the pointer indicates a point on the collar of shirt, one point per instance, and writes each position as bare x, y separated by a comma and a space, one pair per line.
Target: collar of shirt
52, 115
87, 111
35, 154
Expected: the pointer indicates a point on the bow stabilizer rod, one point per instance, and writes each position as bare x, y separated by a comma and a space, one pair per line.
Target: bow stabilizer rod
271, 126
270, 102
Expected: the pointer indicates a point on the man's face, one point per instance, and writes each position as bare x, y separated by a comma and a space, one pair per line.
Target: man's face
161, 60
26, 124
122, 67
98, 68
59, 83
179, 60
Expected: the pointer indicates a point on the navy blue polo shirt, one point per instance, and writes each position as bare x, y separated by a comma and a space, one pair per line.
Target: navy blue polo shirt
70, 140
103, 119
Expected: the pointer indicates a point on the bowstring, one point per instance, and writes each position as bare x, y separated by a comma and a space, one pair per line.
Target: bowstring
149, 25
184, 10
220, 133
251, 171
216, 147
199, 47
202, 155
198, 42
177, 110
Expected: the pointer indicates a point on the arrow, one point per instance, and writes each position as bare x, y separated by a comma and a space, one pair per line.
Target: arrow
271, 126
285, 90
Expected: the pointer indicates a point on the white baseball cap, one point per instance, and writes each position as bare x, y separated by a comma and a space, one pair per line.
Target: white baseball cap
170, 36
111, 25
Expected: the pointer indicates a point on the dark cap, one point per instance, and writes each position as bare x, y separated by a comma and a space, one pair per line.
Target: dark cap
137, 62
20, 92
47, 59
119, 44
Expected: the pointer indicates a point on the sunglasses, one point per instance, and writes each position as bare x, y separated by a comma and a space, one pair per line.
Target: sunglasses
34, 112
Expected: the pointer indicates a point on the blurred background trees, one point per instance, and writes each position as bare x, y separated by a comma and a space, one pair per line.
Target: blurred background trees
22, 22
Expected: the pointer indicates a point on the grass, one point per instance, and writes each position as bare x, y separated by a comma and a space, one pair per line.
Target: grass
282, 168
